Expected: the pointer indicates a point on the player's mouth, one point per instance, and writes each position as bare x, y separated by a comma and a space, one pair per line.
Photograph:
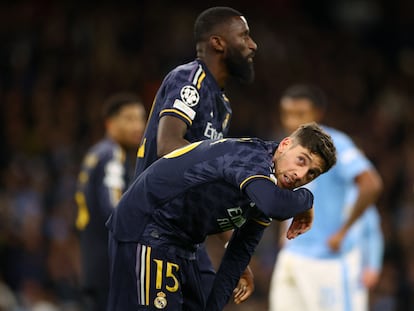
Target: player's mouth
250, 58
287, 182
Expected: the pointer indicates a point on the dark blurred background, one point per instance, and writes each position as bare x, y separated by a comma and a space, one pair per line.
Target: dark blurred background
60, 59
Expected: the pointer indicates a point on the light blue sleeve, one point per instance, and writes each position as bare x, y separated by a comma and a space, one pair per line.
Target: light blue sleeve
351, 161
373, 240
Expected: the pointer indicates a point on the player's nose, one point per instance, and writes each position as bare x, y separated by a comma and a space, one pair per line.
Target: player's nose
301, 173
252, 45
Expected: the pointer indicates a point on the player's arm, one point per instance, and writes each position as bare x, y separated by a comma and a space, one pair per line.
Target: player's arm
369, 185
170, 135
245, 286
282, 204
276, 202
372, 248
234, 262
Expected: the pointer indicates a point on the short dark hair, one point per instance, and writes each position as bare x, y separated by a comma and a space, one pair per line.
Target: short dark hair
307, 91
114, 103
210, 18
312, 137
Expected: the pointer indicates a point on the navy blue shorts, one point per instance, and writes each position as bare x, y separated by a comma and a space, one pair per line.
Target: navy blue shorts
150, 277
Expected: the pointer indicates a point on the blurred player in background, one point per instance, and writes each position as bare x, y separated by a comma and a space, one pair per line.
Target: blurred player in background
191, 105
208, 187
334, 264
102, 180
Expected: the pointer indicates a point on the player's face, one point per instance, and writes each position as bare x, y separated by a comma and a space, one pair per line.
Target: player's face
130, 125
240, 50
295, 165
297, 111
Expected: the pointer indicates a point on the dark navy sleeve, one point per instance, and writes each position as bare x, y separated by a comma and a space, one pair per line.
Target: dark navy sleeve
278, 203
184, 93
235, 260
181, 101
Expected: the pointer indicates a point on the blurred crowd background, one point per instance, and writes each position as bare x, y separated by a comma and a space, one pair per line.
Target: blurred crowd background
60, 59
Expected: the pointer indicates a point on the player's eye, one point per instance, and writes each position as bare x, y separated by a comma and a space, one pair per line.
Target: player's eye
301, 160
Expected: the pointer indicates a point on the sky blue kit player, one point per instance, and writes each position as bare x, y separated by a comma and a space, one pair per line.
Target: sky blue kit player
201, 189
341, 286
350, 164
334, 265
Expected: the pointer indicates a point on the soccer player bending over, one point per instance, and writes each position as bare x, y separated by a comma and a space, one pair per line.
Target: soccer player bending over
201, 189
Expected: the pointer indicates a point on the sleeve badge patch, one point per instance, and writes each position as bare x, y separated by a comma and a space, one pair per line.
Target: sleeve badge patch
189, 95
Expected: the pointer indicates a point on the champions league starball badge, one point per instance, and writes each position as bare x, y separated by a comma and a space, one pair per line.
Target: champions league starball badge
160, 302
189, 95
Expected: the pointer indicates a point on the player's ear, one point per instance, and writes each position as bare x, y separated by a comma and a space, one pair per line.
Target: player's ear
285, 143
217, 43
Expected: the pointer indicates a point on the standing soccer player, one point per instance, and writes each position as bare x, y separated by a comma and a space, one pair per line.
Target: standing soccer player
332, 267
101, 181
191, 105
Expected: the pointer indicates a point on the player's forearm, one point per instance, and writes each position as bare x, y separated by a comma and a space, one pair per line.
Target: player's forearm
369, 188
235, 261
278, 203
375, 250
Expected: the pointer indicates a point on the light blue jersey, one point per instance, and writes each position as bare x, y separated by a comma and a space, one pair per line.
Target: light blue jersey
331, 280
332, 191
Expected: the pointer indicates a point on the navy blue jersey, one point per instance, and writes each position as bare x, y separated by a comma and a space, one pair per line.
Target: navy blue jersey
190, 93
205, 188
193, 191
101, 182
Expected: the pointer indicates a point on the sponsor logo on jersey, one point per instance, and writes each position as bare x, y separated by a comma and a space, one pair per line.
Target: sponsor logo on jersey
189, 95
235, 219
211, 133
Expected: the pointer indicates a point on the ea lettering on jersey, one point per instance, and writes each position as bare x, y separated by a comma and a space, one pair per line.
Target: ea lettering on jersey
211, 133
235, 219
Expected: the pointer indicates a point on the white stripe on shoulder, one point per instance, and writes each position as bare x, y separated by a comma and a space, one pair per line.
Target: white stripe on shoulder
197, 74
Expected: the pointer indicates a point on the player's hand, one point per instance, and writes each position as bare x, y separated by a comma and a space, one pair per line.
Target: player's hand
335, 241
301, 223
245, 287
370, 278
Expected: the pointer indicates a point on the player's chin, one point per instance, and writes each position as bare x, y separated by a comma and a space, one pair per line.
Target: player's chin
284, 185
